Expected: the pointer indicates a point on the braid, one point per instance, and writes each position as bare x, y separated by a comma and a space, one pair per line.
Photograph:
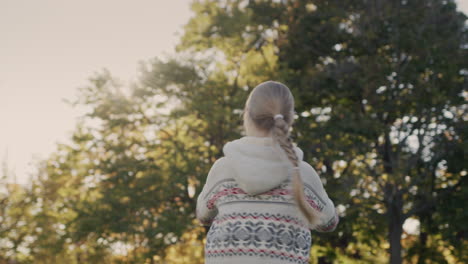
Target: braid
280, 133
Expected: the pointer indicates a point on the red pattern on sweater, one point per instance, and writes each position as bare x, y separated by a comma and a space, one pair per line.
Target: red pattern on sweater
248, 250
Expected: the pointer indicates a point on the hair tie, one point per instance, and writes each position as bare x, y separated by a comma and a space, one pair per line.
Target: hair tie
279, 116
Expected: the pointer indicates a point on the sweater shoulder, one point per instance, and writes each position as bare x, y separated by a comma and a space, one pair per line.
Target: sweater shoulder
309, 171
220, 164
219, 170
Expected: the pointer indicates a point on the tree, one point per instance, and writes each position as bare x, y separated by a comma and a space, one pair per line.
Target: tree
16, 202
142, 167
384, 66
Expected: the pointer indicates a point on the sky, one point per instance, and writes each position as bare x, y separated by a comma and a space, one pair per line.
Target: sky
49, 48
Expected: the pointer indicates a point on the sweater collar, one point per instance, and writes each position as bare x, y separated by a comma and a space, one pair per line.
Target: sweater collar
263, 141
259, 164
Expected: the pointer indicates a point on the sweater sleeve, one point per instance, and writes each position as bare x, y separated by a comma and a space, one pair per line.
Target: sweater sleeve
318, 198
206, 210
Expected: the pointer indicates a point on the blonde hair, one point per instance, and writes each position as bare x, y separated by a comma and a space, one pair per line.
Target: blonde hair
262, 107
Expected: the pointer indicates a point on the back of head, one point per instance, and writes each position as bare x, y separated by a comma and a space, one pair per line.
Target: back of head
270, 110
266, 100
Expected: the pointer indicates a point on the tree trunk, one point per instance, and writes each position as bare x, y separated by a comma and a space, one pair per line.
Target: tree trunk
425, 223
395, 222
395, 231
422, 250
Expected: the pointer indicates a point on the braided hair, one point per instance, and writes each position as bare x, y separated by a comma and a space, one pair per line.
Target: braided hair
270, 109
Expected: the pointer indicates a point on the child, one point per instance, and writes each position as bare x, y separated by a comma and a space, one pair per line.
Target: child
252, 195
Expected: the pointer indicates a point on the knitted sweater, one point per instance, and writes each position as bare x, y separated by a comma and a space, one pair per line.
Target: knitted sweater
247, 202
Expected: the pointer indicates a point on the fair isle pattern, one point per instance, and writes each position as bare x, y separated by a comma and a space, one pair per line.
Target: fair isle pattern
233, 252
274, 236
313, 199
286, 219
228, 191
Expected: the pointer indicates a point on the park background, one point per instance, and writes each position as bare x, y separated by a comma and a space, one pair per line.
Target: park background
124, 147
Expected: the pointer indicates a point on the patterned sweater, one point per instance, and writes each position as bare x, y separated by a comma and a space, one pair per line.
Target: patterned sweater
247, 202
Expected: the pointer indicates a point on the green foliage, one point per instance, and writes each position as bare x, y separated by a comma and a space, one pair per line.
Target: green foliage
393, 105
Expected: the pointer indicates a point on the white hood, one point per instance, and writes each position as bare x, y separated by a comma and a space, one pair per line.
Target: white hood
258, 163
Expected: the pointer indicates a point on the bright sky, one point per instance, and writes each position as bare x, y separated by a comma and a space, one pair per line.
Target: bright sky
48, 48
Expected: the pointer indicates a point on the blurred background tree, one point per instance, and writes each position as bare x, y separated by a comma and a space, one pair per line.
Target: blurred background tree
389, 79
380, 90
